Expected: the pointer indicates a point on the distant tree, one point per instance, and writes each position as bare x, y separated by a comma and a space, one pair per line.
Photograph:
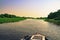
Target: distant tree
6, 15
51, 15
54, 15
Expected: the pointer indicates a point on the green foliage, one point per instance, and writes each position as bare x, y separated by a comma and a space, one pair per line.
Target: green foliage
7, 16
54, 15
7, 20
53, 21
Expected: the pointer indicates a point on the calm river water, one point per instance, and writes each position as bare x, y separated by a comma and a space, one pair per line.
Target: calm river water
17, 30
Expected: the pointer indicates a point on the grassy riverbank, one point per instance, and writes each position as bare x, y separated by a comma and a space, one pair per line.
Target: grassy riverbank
50, 20
53, 21
7, 20
54, 17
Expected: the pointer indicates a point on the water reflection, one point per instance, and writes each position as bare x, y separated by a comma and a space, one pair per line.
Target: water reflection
15, 31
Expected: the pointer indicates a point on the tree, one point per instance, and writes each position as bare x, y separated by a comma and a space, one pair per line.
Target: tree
7, 16
54, 15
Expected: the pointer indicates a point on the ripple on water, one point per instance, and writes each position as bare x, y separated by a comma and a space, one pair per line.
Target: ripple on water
17, 30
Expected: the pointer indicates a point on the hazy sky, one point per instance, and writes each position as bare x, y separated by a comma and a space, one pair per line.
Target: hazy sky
34, 8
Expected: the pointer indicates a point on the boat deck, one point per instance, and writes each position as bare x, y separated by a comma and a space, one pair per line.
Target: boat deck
37, 37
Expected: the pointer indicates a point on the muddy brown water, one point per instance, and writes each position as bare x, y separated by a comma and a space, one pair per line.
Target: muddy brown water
17, 30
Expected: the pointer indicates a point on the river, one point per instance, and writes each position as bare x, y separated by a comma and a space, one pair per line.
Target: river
17, 30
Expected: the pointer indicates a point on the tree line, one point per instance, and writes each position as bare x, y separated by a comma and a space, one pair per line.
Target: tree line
54, 15
6, 15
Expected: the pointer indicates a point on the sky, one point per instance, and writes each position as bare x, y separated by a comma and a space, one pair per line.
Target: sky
29, 8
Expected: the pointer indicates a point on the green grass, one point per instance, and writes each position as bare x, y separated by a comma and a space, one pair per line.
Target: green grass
53, 21
7, 20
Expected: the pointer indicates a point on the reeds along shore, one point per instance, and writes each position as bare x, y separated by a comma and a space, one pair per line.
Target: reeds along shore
7, 20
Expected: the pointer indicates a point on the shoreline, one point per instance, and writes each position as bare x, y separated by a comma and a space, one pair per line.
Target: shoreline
9, 20
57, 22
